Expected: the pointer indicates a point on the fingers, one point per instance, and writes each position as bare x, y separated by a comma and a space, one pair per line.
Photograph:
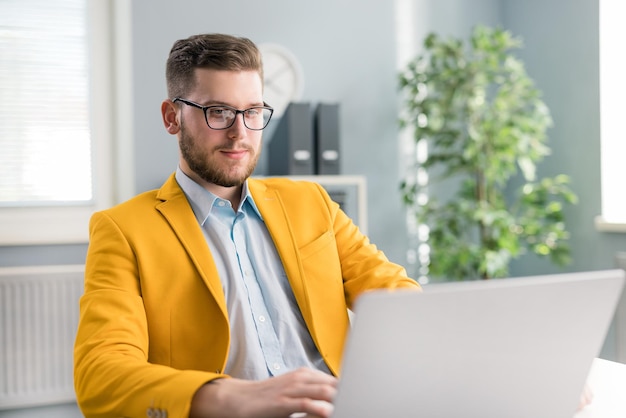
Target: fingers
305, 384
309, 393
300, 391
321, 409
307, 377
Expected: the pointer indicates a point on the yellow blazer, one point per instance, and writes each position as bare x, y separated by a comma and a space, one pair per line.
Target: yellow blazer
153, 322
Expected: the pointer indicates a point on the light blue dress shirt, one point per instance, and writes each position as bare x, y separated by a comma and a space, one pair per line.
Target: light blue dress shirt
268, 334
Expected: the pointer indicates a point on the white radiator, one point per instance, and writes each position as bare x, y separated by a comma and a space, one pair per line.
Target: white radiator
38, 320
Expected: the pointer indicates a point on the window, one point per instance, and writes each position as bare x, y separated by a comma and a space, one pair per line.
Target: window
54, 119
613, 130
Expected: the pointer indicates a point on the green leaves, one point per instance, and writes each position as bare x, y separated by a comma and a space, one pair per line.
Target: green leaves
485, 125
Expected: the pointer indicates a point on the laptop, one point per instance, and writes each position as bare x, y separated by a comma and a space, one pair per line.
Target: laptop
502, 348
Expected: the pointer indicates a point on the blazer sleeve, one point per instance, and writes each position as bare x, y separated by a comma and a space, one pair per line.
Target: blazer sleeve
111, 370
364, 267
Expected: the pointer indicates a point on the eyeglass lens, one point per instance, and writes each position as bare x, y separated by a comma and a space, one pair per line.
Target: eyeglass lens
224, 117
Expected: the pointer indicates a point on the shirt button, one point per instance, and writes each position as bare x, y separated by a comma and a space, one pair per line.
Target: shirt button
221, 203
262, 318
276, 366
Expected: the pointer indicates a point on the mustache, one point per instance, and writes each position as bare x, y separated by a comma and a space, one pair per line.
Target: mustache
240, 147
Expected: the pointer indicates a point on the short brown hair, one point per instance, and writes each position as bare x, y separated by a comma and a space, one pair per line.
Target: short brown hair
214, 51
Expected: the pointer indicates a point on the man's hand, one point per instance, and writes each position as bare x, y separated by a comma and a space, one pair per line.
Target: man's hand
280, 396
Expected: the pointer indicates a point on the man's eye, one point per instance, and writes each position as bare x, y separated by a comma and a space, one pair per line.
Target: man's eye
217, 111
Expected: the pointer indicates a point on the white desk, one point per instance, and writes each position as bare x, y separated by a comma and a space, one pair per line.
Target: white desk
607, 381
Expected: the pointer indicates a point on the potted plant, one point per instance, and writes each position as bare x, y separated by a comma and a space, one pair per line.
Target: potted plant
484, 124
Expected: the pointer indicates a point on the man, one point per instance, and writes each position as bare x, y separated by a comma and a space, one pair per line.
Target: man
219, 295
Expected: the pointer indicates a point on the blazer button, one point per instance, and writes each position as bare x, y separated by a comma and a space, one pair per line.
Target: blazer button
156, 413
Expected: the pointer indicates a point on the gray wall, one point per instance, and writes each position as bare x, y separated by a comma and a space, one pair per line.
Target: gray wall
561, 54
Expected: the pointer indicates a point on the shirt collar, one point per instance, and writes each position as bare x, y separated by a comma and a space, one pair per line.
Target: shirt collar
202, 201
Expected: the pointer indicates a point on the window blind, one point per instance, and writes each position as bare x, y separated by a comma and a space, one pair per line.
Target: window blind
45, 145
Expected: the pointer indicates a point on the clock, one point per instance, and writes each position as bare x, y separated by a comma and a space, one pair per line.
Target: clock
282, 77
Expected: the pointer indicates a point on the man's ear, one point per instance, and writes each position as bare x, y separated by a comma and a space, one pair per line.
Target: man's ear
169, 112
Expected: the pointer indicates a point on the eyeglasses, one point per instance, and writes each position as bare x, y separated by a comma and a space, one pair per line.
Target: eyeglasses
223, 117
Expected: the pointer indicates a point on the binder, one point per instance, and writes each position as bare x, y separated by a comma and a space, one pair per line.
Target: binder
327, 153
291, 149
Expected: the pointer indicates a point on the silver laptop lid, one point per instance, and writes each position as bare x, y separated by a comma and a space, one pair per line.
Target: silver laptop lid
506, 348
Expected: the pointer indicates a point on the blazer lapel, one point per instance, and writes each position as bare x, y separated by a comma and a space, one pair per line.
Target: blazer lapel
271, 207
177, 211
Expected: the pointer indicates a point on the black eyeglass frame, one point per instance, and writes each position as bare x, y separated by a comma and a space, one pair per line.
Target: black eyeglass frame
237, 112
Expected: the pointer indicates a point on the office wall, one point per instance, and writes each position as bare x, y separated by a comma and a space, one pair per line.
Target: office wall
561, 54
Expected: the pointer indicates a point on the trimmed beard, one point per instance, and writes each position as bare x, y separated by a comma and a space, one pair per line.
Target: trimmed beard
198, 162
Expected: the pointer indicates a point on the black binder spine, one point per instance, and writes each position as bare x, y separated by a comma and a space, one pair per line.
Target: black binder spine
327, 153
291, 150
